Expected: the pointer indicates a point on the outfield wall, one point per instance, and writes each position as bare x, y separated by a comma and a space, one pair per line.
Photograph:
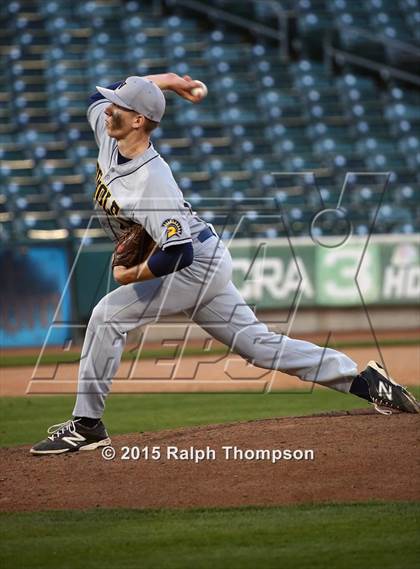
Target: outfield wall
318, 287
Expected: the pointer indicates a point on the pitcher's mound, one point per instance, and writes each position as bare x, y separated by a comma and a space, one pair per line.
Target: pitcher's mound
356, 456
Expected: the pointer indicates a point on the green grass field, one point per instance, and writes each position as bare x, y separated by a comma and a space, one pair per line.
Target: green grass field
359, 536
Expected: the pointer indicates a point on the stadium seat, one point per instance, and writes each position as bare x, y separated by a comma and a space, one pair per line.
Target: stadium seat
264, 114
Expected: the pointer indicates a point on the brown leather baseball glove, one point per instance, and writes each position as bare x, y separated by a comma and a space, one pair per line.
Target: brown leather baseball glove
134, 246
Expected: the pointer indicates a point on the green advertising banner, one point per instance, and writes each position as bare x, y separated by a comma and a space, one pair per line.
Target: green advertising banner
277, 273
400, 276
343, 274
273, 275
385, 270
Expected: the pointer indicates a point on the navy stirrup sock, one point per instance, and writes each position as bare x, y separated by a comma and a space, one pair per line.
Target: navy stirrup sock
360, 388
87, 422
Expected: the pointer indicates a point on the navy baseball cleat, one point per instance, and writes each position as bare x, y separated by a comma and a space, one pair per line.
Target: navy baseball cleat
385, 393
72, 436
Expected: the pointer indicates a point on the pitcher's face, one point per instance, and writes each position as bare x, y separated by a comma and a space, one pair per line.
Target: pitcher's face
120, 121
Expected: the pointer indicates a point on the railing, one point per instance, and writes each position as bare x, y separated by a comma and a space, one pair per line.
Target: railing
393, 49
279, 33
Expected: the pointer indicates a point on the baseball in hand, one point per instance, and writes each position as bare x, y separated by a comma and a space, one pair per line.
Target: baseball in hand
200, 91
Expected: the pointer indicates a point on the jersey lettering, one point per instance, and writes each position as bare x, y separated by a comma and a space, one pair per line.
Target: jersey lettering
103, 196
98, 173
114, 209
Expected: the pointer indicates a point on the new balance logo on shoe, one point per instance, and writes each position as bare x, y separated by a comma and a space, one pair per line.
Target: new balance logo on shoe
74, 439
385, 391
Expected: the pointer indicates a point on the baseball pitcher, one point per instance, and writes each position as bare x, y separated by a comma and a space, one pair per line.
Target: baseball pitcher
168, 260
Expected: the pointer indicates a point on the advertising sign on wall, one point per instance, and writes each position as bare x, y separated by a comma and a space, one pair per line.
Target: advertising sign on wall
276, 273
33, 280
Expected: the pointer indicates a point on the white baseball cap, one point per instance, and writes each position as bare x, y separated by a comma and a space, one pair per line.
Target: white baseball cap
138, 94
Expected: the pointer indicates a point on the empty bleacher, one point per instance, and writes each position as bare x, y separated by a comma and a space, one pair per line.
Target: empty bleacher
264, 116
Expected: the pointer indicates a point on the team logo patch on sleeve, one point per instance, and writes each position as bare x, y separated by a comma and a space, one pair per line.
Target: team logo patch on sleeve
173, 227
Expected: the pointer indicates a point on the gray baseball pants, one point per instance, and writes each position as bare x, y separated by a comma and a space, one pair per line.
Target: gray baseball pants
203, 291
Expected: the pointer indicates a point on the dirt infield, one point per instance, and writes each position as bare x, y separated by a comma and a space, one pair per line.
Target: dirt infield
358, 456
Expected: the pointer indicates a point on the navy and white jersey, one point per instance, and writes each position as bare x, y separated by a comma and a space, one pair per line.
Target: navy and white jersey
142, 190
